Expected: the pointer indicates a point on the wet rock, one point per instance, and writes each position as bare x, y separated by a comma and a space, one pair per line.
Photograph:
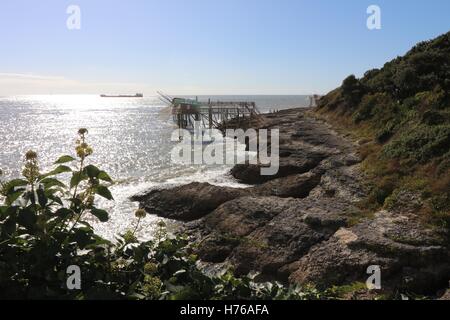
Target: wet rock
188, 202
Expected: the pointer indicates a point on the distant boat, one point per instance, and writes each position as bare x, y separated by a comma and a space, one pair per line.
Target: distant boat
137, 95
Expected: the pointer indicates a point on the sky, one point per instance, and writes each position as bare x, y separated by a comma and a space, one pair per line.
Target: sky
204, 46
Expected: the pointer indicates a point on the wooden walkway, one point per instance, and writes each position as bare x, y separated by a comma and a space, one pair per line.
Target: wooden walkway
214, 114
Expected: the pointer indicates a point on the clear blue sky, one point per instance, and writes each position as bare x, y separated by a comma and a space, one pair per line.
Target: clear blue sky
204, 46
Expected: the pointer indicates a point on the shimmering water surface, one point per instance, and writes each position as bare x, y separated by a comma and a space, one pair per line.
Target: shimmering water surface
131, 141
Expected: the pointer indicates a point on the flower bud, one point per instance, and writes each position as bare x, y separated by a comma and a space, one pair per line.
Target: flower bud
161, 224
30, 155
82, 131
140, 213
88, 151
90, 200
150, 268
80, 151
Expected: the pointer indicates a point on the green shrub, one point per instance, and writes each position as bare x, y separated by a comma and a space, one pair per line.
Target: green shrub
387, 131
432, 118
421, 143
406, 81
352, 90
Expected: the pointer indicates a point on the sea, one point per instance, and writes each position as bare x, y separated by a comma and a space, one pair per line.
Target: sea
131, 139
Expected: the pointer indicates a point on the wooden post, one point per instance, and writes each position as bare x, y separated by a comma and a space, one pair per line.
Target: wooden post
210, 115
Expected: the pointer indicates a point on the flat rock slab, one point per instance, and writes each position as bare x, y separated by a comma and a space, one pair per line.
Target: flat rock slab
408, 254
187, 202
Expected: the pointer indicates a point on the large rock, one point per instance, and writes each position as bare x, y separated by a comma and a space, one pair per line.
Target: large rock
228, 225
243, 215
187, 202
195, 200
296, 163
410, 255
340, 181
267, 233
295, 186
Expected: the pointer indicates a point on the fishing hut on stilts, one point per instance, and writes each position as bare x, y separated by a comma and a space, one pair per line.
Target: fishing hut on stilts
213, 114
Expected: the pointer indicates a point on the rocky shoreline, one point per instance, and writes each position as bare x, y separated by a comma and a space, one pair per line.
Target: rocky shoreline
304, 225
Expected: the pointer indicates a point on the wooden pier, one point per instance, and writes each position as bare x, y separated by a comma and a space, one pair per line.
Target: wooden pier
218, 114
213, 114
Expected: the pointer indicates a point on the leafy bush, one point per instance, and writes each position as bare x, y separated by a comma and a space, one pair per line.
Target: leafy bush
404, 108
44, 230
432, 118
376, 105
387, 131
352, 90
421, 143
405, 81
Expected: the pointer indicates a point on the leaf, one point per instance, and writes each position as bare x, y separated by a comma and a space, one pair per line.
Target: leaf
11, 186
77, 177
102, 215
10, 214
17, 183
57, 170
3, 212
63, 212
75, 202
104, 192
27, 218
100, 241
55, 199
86, 224
61, 169
64, 159
13, 196
179, 272
82, 236
92, 171
104, 176
51, 182
9, 226
42, 198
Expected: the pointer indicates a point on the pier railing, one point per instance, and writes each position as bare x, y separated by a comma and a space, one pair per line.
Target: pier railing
214, 114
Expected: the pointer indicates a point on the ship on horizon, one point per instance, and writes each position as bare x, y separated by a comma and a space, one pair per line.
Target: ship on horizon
137, 95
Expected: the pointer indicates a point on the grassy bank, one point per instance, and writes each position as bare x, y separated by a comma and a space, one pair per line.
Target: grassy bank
399, 116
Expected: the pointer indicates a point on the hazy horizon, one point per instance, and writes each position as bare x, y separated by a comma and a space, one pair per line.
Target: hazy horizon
204, 47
